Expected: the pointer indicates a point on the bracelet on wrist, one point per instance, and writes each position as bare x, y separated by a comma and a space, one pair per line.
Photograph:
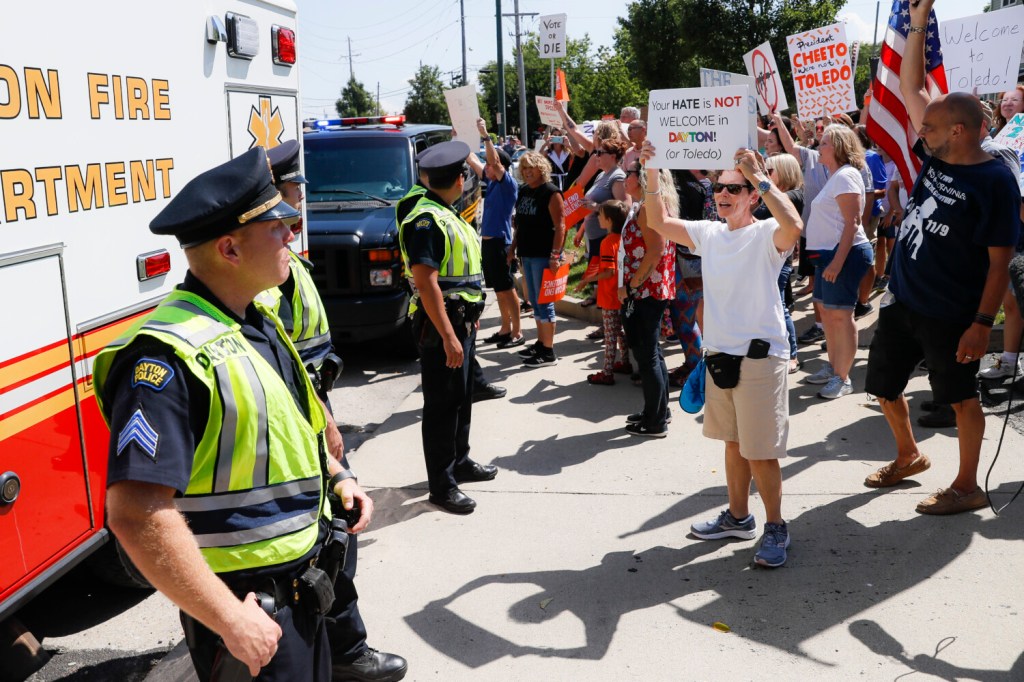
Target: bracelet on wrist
654, 193
337, 478
917, 29
984, 320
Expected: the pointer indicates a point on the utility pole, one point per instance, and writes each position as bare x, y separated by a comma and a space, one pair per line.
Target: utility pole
501, 72
462, 18
351, 65
523, 128
378, 98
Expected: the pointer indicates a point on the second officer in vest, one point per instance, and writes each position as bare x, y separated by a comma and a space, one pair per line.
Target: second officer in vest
442, 252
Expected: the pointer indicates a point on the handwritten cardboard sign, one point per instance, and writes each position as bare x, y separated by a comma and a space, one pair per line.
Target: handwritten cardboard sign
548, 113
697, 127
710, 78
552, 36
574, 209
822, 71
464, 110
1012, 134
761, 66
982, 51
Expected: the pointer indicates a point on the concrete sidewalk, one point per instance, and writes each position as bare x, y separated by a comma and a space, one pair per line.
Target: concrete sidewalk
577, 563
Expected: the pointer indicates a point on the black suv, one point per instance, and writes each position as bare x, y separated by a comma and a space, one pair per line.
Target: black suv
357, 170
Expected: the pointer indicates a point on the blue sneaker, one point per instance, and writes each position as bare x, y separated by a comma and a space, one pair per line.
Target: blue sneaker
725, 526
774, 542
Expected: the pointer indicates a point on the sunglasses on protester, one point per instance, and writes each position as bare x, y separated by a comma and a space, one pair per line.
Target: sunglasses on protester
602, 152
732, 188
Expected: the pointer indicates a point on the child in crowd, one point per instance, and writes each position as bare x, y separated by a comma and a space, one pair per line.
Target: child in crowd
611, 216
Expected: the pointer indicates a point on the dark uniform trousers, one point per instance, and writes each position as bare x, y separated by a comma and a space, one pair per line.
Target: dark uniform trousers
447, 401
345, 628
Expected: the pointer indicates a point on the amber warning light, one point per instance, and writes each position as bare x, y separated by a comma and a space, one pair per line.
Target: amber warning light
153, 264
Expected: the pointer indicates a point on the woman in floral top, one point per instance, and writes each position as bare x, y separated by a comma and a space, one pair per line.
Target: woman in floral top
648, 285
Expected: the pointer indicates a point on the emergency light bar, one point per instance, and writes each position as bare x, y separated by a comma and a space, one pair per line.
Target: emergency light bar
243, 36
323, 123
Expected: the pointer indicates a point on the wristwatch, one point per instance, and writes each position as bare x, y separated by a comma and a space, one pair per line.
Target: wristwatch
764, 186
337, 478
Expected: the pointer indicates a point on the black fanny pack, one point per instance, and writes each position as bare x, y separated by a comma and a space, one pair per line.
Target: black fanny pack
725, 368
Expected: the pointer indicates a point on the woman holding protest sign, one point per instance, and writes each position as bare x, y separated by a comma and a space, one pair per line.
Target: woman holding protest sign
537, 241
745, 331
648, 285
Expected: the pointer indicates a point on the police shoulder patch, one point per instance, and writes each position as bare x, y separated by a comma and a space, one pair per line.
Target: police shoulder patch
139, 431
424, 223
153, 373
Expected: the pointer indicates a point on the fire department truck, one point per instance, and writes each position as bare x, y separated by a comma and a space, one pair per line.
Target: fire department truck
106, 111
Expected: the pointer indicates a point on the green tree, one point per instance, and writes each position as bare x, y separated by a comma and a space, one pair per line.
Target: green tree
665, 42
355, 100
426, 103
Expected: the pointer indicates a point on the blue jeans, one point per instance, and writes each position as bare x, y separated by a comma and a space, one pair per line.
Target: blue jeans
643, 329
533, 272
787, 270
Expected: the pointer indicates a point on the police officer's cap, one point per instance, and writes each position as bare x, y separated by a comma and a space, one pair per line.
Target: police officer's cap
223, 199
284, 160
444, 159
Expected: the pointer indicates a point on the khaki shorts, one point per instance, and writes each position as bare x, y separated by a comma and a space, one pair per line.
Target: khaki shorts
755, 413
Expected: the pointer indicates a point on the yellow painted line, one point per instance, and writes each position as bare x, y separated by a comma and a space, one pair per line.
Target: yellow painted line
39, 412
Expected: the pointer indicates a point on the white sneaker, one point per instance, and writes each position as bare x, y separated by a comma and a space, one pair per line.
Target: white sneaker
1001, 370
836, 388
823, 375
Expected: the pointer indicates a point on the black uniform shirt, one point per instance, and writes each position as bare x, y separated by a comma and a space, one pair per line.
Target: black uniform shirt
158, 409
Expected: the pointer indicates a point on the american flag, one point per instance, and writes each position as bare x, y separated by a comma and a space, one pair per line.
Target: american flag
888, 123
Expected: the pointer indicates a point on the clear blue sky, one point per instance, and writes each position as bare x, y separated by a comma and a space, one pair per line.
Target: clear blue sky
390, 39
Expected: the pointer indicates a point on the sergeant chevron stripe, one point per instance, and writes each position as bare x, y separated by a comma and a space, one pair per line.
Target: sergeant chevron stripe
139, 431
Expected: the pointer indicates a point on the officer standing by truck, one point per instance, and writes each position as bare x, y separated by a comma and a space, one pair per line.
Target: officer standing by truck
217, 474
442, 252
301, 311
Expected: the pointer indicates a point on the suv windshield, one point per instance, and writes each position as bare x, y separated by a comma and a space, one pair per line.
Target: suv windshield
340, 167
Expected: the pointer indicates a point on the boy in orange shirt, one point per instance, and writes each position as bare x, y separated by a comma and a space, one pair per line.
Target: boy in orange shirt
612, 216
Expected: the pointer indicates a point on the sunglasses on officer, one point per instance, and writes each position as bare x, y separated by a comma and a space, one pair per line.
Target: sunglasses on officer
732, 188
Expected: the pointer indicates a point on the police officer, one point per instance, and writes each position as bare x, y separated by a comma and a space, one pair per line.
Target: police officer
482, 389
217, 479
442, 253
301, 311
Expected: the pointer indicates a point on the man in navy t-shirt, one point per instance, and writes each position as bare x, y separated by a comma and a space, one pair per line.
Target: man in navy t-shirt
496, 236
949, 272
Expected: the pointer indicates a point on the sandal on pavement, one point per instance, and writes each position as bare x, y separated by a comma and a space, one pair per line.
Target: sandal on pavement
601, 379
890, 474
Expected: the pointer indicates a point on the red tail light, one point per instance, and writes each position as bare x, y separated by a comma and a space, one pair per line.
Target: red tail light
282, 41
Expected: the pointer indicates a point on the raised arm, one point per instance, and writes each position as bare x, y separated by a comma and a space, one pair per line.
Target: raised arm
656, 213
787, 140
782, 209
912, 76
493, 160
581, 140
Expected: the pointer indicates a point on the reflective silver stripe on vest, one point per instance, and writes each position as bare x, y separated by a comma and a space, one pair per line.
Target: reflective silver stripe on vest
203, 336
464, 279
320, 339
268, 532
247, 498
226, 446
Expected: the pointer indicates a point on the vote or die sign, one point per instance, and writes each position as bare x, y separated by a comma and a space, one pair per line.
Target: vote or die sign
697, 127
1012, 134
464, 110
710, 78
552, 36
822, 71
548, 113
982, 51
762, 68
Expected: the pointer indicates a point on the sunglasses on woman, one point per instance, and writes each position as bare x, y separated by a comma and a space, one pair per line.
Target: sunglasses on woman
732, 188
601, 152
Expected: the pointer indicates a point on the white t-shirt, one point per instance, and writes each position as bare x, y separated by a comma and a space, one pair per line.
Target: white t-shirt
825, 226
741, 286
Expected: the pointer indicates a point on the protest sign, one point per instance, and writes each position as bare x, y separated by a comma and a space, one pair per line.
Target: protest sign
710, 78
1012, 134
761, 66
552, 36
574, 209
854, 54
697, 127
548, 114
561, 89
464, 111
983, 51
552, 284
822, 71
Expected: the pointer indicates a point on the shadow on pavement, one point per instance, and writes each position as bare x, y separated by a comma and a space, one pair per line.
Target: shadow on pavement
837, 568
553, 455
132, 668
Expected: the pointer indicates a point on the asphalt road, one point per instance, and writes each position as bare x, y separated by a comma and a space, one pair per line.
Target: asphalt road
95, 631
